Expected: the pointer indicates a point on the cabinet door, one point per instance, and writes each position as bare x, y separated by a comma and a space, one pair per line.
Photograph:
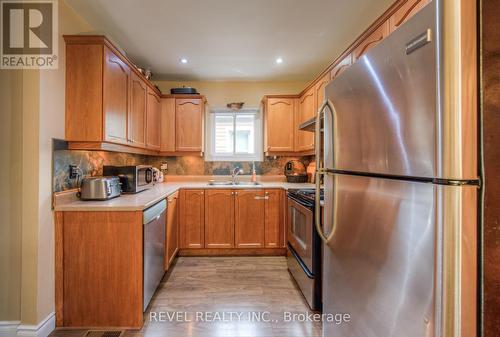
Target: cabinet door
274, 219
405, 12
372, 40
192, 217
137, 113
340, 66
172, 231
153, 113
189, 125
279, 124
249, 219
307, 107
319, 89
167, 128
115, 97
219, 219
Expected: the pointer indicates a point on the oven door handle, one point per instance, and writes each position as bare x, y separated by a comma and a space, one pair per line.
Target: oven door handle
320, 170
300, 262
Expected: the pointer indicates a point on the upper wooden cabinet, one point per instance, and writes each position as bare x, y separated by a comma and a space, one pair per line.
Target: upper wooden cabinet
219, 218
192, 218
405, 12
372, 40
249, 218
153, 116
167, 137
189, 118
137, 111
319, 90
106, 99
340, 66
116, 97
279, 124
306, 111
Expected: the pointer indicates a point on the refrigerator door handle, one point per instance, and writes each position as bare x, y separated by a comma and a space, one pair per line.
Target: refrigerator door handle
320, 170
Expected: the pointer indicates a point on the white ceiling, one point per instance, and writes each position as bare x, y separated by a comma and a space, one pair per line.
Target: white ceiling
232, 39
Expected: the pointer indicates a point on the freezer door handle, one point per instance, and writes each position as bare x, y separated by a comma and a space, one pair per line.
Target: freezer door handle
320, 170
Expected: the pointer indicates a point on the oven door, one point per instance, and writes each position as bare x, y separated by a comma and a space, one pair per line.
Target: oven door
300, 232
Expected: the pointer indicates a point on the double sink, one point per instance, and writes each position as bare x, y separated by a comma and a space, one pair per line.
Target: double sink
231, 183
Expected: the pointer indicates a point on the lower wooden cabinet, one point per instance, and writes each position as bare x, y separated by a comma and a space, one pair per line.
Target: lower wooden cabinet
192, 218
274, 219
216, 219
249, 218
98, 269
219, 219
172, 229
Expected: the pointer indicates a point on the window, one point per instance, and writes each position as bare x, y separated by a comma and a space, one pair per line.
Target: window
234, 135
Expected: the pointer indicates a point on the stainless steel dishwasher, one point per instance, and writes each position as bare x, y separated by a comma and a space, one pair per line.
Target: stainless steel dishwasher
154, 249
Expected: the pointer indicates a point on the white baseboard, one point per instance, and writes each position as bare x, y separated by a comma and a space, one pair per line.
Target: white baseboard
8, 328
15, 329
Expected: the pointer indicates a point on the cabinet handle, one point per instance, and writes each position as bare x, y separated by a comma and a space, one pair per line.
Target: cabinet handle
266, 193
236, 193
260, 198
232, 193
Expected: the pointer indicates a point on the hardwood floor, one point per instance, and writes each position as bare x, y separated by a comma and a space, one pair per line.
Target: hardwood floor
200, 286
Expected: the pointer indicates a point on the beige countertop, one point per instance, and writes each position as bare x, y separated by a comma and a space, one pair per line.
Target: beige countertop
147, 198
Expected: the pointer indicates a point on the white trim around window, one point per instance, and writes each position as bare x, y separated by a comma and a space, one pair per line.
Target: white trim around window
230, 153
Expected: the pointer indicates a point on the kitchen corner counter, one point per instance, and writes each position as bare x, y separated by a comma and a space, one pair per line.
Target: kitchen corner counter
147, 198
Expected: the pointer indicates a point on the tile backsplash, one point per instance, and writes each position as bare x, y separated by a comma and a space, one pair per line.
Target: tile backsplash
91, 163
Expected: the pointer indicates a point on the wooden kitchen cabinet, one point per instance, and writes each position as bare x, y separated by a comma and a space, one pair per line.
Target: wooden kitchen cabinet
192, 218
116, 86
279, 124
98, 269
306, 111
153, 116
167, 137
274, 218
137, 112
249, 218
172, 229
319, 89
235, 222
340, 66
189, 118
405, 12
372, 40
219, 218
107, 99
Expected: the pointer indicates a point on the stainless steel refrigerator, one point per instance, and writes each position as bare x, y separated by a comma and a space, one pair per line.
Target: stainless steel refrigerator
398, 162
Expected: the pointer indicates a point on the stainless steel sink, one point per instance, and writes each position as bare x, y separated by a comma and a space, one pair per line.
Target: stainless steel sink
230, 183
247, 183
224, 182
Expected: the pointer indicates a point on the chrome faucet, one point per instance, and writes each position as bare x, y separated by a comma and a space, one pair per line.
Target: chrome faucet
235, 173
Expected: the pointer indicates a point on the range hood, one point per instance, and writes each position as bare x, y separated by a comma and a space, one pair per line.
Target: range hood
310, 125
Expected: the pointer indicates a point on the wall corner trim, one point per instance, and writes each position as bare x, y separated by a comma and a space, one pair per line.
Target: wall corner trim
16, 329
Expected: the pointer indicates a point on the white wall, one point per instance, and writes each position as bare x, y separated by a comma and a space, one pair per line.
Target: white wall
51, 125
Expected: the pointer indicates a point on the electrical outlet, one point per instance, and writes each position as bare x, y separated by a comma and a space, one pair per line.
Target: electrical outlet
164, 167
73, 171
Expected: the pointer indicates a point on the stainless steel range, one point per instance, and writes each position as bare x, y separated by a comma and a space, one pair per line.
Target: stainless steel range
304, 245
